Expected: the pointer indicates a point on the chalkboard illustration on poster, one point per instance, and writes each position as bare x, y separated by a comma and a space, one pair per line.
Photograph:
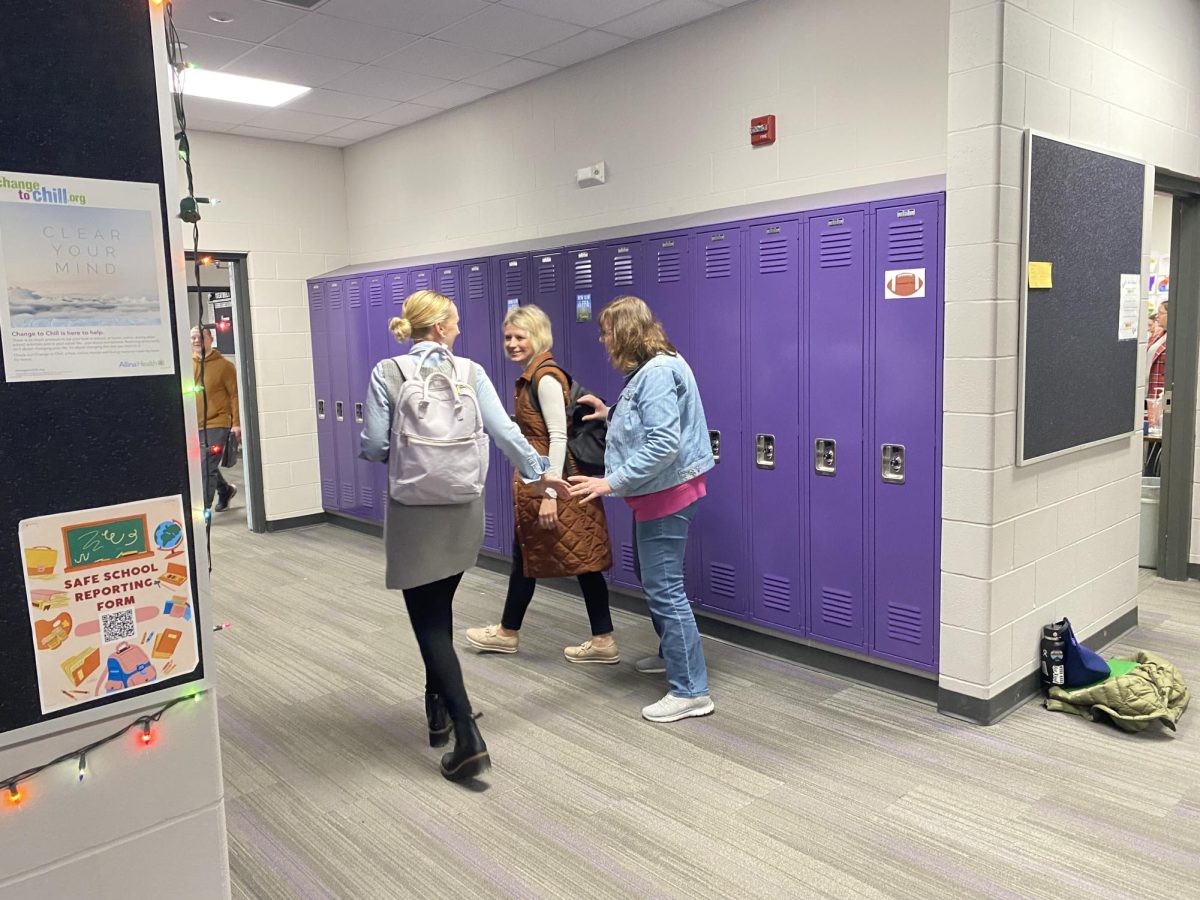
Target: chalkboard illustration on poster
83, 293
108, 609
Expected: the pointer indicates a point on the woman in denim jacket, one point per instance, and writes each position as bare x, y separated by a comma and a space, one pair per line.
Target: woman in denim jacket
657, 455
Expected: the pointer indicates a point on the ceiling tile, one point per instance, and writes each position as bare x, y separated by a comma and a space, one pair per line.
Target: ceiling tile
662, 16
337, 103
360, 131
503, 29
219, 110
287, 65
429, 56
252, 20
376, 82
581, 12
328, 140
341, 39
512, 73
302, 122
578, 48
454, 95
413, 16
728, 3
270, 134
208, 125
210, 52
405, 114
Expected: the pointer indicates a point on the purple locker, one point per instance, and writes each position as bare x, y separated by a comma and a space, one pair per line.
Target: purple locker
718, 532
380, 345
835, 332
359, 364
773, 435
549, 286
515, 289
396, 285
420, 279
385, 345
904, 458
339, 383
326, 438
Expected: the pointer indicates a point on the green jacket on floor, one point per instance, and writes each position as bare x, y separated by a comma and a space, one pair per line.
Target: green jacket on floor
1153, 691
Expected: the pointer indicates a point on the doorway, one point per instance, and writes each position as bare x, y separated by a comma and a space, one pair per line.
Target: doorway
224, 297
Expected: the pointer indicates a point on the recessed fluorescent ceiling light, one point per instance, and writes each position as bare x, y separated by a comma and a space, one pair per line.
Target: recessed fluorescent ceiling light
238, 88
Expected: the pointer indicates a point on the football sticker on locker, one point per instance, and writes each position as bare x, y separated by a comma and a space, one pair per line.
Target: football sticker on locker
513, 302
903, 284
583, 307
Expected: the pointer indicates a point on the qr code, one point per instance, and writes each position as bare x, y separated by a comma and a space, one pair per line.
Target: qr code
118, 626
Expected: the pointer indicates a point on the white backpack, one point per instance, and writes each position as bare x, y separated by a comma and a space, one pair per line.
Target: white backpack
439, 451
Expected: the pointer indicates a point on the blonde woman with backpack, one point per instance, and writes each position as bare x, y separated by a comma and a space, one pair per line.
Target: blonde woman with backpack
433, 524
556, 537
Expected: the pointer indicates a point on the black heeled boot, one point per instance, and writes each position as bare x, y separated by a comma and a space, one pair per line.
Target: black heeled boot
438, 720
469, 758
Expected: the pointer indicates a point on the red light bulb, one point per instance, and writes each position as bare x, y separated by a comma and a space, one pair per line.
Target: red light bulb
216, 449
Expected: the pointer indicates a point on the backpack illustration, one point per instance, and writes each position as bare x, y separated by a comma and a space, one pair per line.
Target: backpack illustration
585, 440
128, 667
439, 451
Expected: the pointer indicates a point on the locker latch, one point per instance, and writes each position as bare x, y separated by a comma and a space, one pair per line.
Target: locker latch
320, 409
337, 410
764, 451
358, 413
714, 441
825, 456
891, 463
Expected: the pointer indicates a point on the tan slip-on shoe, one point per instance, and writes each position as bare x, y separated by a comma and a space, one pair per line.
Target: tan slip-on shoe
588, 653
489, 640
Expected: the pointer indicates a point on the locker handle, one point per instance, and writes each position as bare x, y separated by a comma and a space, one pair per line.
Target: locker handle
337, 410
764, 451
358, 413
825, 456
891, 463
714, 441
320, 409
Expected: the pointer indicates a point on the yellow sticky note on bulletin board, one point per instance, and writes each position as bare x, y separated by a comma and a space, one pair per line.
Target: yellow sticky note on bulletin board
1041, 275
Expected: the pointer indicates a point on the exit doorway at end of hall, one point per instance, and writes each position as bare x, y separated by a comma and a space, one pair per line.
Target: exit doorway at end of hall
222, 300
1170, 402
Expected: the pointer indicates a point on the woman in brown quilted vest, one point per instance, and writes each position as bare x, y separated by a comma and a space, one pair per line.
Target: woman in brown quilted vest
559, 536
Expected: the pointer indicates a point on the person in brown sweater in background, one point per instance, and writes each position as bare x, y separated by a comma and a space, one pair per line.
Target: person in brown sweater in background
221, 396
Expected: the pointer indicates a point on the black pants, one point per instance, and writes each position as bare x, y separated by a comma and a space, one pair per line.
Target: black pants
520, 592
430, 609
214, 481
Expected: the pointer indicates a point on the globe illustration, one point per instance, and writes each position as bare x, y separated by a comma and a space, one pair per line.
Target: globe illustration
168, 535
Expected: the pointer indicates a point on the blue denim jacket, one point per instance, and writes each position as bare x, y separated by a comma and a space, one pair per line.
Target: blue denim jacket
385, 384
657, 433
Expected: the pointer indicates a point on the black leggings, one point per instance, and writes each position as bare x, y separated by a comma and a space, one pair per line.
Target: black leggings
430, 611
520, 592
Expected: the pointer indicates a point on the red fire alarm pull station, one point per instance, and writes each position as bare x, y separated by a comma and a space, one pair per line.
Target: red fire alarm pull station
762, 130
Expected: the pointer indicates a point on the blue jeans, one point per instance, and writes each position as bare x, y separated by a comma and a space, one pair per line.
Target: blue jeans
661, 545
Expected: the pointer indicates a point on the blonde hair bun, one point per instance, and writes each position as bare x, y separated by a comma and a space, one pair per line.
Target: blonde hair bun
401, 328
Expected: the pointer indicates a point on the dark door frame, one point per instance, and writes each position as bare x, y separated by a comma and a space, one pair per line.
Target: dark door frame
243, 336
1183, 349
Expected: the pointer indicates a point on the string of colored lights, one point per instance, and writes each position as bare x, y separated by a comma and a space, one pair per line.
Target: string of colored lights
12, 784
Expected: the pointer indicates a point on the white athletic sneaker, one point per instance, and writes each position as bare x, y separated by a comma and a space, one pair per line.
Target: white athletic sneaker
671, 708
650, 665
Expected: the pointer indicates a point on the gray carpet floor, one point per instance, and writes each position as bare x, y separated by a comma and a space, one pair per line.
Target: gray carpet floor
801, 785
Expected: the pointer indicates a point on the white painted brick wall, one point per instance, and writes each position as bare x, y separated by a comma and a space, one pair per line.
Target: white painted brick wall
1117, 74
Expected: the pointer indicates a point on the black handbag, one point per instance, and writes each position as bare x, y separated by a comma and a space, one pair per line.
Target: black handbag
231, 452
585, 440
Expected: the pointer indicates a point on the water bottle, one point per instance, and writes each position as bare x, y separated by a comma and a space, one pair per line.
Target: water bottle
1054, 662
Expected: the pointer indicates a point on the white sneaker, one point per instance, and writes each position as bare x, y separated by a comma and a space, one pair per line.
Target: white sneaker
671, 708
650, 665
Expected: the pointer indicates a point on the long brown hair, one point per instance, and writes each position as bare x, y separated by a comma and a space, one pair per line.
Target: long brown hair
636, 334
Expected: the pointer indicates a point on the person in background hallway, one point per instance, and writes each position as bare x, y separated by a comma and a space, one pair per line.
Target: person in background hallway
219, 399
1156, 380
555, 536
429, 547
657, 455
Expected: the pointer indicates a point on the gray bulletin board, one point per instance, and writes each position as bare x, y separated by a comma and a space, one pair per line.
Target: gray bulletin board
1083, 215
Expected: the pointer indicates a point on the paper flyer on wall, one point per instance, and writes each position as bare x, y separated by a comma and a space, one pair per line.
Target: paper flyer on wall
1131, 297
109, 599
83, 283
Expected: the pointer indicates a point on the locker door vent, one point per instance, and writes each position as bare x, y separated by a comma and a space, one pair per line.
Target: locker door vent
773, 256
777, 593
475, 287
489, 525
547, 279
906, 242
315, 298
383, 498
446, 284
375, 292
328, 492
904, 623
399, 290
583, 273
722, 579
354, 294
627, 562
335, 295
420, 281
669, 269
718, 261
514, 282
837, 250
623, 270
837, 607
347, 494
367, 496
